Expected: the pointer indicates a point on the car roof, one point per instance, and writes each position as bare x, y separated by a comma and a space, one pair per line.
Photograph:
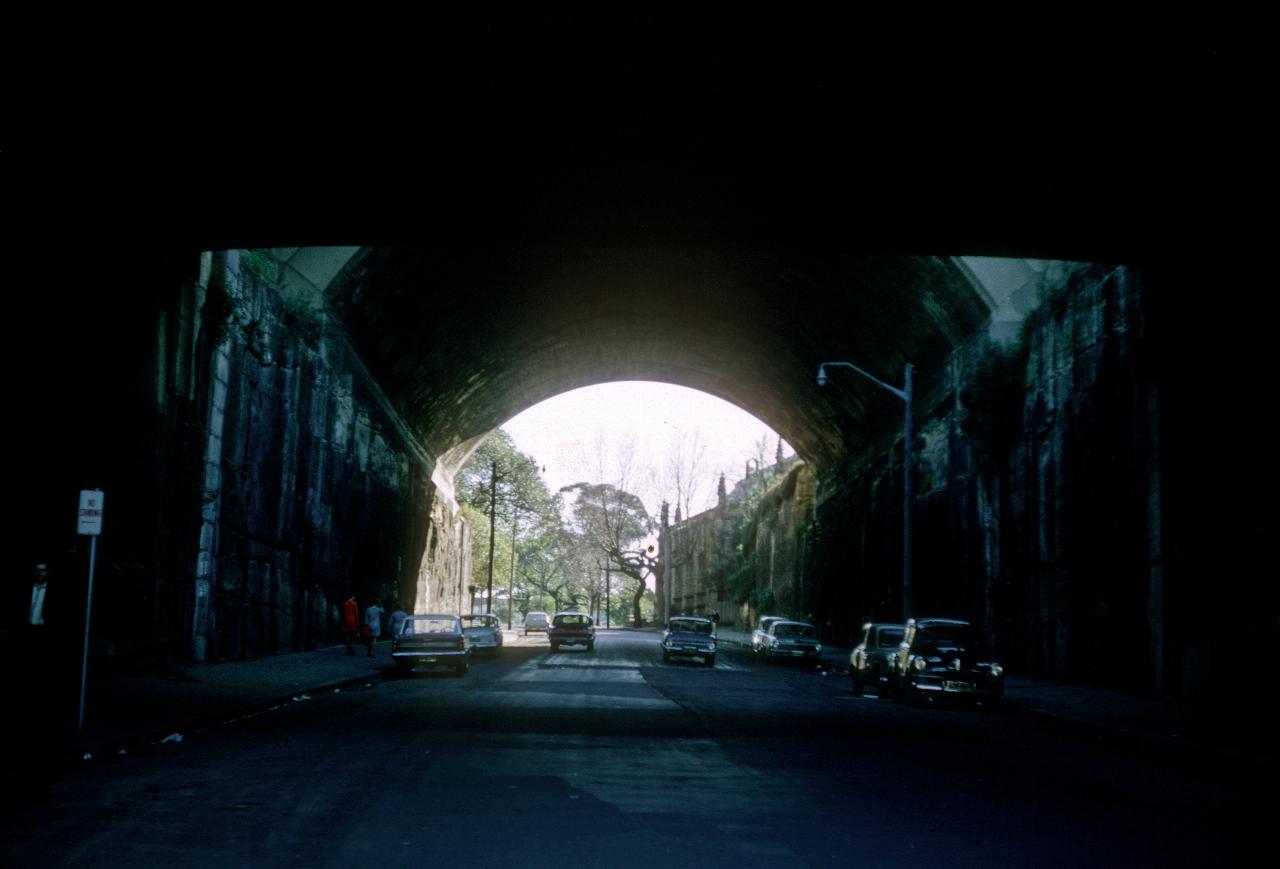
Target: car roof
689, 618
937, 621
571, 613
433, 616
792, 622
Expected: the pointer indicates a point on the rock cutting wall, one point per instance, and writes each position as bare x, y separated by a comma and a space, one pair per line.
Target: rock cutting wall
255, 475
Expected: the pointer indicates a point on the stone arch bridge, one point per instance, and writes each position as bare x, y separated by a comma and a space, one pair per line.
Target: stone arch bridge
273, 359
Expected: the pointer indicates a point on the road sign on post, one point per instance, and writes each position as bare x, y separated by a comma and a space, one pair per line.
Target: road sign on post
89, 524
90, 518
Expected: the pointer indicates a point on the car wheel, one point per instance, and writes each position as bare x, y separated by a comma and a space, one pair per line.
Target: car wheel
461, 669
857, 686
666, 659
403, 669
591, 647
555, 646
711, 660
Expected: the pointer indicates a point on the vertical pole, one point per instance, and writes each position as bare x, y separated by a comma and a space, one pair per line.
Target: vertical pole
906, 499
511, 586
88, 613
608, 581
493, 518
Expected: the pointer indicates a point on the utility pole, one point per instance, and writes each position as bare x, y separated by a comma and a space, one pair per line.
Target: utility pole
493, 518
907, 432
511, 586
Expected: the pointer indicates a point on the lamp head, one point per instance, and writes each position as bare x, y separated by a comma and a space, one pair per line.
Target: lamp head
822, 376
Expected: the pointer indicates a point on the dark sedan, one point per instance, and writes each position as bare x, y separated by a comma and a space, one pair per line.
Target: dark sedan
871, 661
572, 629
689, 637
791, 641
945, 659
425, 642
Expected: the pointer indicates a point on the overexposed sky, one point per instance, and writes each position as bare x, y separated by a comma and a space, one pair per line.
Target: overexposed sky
583, 435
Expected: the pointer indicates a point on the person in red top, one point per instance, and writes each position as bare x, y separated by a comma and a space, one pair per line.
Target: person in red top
350, 621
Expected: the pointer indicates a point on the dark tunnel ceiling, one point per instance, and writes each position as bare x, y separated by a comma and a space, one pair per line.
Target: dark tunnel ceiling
462, 339
1085, 140
553, 198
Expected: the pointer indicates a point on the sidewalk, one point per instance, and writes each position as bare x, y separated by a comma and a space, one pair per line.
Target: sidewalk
129, 713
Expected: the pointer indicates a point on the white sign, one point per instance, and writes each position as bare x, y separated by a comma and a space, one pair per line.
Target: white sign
90, 512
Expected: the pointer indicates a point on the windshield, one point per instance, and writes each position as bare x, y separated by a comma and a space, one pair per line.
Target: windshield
792, 631
890, 638
693, 626
429, 626
948, 635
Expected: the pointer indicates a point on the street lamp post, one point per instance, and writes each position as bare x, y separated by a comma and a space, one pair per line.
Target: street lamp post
905, 394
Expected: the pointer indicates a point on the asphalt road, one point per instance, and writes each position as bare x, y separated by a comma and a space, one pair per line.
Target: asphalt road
611, 758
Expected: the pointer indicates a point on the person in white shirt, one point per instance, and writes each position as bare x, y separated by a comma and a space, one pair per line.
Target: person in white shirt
39, 587
373, 621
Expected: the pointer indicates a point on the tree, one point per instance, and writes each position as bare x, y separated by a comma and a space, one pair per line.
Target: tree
501, 482
615, 523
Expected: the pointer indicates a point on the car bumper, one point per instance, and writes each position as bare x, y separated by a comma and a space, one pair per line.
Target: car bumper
958, 686
417, 659
577, 640
683, 651
485, 644
793, 654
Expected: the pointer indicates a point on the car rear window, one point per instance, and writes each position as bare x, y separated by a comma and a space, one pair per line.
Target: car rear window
571, 621
429, 626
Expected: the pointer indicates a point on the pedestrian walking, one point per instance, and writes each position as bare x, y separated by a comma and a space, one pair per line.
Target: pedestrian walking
397, 619
350, 621
715, 617
373, 621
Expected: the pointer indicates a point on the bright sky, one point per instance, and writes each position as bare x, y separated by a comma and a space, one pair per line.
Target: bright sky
562, 434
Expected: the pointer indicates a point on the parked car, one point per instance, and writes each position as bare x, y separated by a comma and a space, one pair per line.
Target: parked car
871, 661
429, 641
482, 631
689, 637
945, 658
762, 628
536, 621
791, 641
572, 628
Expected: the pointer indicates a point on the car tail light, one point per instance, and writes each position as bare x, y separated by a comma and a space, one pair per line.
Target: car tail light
462, 644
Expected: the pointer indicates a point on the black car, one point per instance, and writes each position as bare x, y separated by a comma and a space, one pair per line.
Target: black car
787, 640
572, 628
871, 661
689, 637
945, 659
